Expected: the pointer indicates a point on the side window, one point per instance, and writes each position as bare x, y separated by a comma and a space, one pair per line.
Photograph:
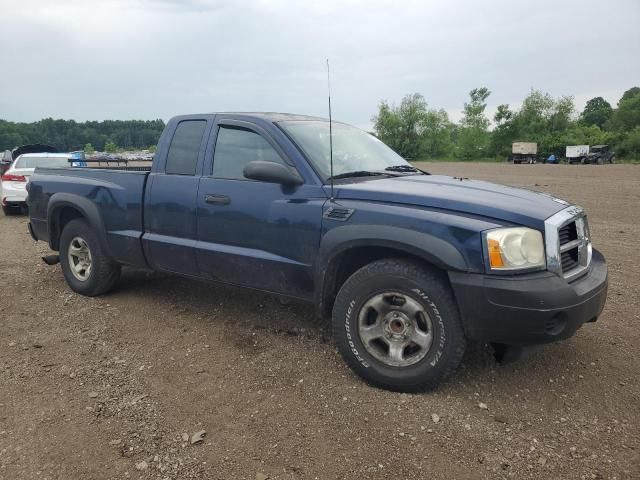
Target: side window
236, 147
185, 146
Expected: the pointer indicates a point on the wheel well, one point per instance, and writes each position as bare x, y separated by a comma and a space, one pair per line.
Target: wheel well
60, 218
343, 265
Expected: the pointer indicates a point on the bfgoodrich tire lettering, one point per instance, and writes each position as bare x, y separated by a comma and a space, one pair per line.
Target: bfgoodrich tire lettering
103, 272
421, 286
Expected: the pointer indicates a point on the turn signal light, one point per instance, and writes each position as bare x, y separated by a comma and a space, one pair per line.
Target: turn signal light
495, 255
13, 178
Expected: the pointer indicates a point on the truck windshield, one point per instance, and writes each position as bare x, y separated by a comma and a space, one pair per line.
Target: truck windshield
353, 149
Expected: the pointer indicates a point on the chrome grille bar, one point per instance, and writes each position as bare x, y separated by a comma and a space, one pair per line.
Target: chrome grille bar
554, 249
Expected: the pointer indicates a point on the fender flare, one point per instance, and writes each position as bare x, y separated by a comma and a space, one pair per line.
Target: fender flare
430, 248
87, 209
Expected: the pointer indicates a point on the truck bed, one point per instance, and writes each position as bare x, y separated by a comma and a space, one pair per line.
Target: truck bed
112, 198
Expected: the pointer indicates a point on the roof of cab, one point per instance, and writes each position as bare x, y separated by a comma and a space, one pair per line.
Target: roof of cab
268, 116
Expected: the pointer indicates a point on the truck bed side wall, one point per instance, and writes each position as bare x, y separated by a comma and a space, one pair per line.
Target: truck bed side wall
111, 201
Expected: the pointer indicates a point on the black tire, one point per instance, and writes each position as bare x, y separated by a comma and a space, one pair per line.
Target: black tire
8, 211
429, 288
104, 272
13, 210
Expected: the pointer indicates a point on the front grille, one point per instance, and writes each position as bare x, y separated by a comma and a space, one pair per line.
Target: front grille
569, 259
567, 243
568, 233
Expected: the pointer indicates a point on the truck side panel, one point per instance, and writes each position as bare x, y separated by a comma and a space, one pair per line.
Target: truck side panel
111, 201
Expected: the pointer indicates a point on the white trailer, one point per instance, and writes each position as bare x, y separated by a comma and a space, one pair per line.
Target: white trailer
576, 153
524, 152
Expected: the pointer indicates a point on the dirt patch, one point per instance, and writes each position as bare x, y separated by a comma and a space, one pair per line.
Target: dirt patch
108, 387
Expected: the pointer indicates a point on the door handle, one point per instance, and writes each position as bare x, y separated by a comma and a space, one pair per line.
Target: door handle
217, 199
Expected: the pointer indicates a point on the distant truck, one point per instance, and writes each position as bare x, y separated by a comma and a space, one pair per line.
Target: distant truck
524, 152
576, 153
600, 154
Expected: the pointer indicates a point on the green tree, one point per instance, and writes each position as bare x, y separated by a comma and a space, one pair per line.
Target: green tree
413, 130
503, 133
110, 147
629, 146
473, 135
627, 116
632, 92
88, 149
597, 111
436, 135
68, 135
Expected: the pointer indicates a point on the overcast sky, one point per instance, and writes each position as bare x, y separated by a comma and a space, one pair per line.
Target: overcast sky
146, 59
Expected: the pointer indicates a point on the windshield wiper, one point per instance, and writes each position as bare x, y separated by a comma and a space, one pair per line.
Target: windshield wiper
401, 168
405, 169
356, 173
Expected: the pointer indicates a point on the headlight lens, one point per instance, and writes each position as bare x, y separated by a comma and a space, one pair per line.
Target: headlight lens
515, 248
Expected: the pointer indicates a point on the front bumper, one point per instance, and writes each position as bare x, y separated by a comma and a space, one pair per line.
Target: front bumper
532, 308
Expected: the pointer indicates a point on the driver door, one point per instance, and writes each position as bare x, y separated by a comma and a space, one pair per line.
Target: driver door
251, 233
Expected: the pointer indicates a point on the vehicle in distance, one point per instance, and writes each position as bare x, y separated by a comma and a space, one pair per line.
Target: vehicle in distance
576, 153
409, 266
600, 154
524, 152
14, 180
5, 161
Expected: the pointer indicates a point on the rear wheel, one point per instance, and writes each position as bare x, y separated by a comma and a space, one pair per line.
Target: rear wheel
397, 325
85, 265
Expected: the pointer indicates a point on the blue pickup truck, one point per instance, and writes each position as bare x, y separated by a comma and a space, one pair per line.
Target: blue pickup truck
409, 266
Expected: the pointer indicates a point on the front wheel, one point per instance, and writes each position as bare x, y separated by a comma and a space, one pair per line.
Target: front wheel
85, 265
397, 325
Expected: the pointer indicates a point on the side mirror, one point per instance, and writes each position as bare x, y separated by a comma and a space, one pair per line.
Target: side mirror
271, 172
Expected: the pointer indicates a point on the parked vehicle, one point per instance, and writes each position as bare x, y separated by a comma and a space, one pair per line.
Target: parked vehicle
600, 154
551, 159
524, 152
5, 161
14, 180
410, 266
576, 153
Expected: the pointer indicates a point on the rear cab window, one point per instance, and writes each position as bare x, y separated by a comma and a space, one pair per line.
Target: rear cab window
182, 158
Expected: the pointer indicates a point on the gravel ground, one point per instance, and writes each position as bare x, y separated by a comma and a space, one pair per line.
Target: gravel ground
116, 386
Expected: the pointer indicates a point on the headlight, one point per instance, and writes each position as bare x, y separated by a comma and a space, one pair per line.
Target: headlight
515, 248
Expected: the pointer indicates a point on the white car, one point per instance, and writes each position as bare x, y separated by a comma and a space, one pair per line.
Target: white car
14, 180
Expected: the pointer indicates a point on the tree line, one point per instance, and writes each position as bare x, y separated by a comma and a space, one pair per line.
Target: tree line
416, 131
69, 135
412, 128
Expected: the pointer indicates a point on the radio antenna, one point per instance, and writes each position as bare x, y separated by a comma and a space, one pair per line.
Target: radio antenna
330, 131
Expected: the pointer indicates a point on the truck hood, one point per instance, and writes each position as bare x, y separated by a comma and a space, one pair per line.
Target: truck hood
509, 204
